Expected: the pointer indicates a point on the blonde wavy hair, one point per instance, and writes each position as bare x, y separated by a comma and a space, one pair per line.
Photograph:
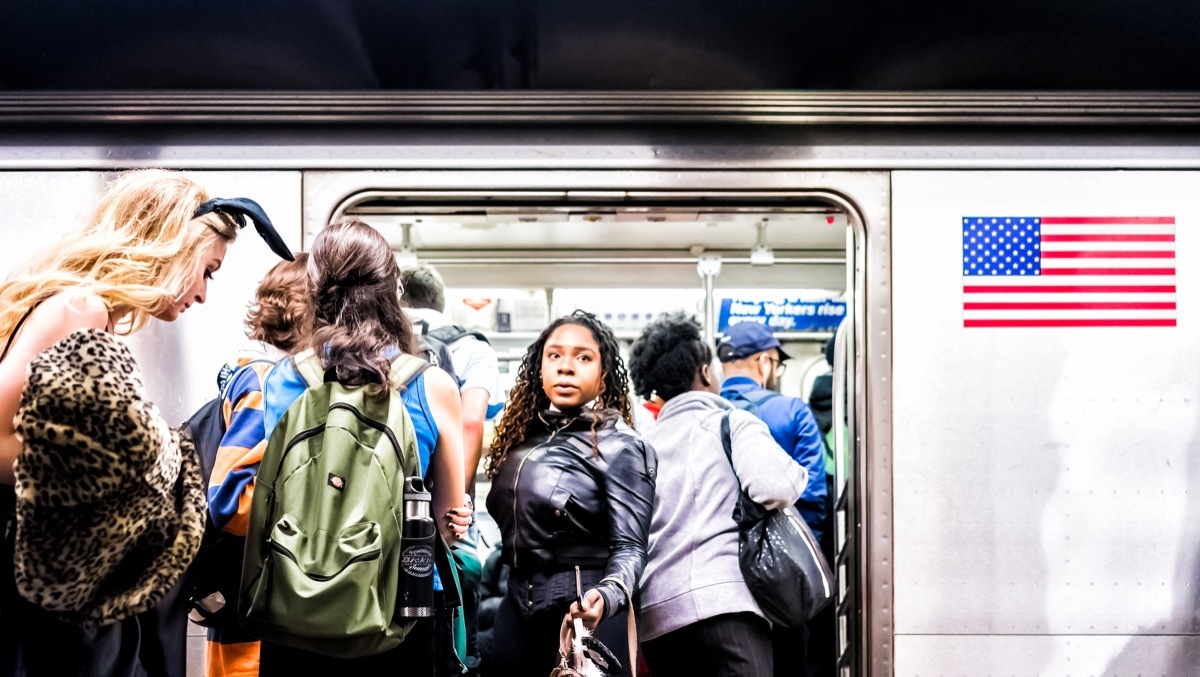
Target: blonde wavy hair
140, 251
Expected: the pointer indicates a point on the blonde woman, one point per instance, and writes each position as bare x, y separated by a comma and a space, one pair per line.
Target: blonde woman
150, 250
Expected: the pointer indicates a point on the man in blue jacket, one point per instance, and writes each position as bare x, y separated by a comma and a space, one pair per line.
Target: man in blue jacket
752, 360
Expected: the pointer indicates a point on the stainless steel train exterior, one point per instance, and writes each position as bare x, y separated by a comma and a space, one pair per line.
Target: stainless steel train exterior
1017, 501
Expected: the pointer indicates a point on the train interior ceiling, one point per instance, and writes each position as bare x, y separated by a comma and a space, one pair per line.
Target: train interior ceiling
509, 269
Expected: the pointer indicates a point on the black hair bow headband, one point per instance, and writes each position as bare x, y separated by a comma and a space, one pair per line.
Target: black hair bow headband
238, 208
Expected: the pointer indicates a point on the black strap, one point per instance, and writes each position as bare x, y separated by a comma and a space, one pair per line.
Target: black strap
450, 584
727, 442
17, 329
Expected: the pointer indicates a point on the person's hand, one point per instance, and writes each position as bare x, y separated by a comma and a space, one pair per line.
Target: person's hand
459, 520
592, 610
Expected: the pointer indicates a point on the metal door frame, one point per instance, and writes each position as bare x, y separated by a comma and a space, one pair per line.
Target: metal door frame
866, 199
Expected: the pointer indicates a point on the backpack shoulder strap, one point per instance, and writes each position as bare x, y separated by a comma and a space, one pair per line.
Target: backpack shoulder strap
233, 375
309, 367
453, 332
405, 369
739, 400
760, 396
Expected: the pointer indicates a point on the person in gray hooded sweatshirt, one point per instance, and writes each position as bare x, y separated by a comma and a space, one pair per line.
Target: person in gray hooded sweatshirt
697, 615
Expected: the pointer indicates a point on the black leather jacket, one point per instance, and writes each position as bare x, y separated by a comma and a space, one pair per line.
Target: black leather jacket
559, 505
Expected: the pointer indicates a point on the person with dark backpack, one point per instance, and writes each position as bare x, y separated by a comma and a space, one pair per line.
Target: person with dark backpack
434, 350
469, 358
230, 439
361, 476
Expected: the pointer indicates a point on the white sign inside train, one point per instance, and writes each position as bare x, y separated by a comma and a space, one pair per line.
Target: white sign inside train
787, 315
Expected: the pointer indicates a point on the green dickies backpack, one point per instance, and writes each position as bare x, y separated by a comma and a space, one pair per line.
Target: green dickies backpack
322, 565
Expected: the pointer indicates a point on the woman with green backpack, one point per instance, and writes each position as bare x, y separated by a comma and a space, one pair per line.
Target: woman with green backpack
324, 546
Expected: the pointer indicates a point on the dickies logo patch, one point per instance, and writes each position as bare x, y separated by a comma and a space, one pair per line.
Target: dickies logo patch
337, 482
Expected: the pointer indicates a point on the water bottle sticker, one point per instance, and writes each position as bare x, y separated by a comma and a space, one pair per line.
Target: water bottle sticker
417, 560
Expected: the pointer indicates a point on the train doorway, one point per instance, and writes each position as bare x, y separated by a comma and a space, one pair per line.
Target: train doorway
514, 259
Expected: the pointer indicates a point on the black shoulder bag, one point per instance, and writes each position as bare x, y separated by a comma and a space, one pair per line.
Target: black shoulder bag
780, 560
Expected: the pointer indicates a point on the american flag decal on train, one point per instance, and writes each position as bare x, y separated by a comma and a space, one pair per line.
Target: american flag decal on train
1068, 271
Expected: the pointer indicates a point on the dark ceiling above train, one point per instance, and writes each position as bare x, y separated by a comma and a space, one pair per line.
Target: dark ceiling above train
601, 44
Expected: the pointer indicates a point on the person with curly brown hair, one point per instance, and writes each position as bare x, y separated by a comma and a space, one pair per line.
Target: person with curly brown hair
279, 321
569, 488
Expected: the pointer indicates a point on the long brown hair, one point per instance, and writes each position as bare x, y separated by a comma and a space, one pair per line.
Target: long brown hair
357, 321
527, 398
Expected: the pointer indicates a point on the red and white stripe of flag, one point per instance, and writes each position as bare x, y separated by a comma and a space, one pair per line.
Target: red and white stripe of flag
1097, 271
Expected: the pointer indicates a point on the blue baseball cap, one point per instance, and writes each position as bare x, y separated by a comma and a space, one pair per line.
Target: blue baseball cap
745, 339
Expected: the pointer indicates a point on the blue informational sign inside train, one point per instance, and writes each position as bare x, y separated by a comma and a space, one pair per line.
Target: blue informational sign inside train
789, 315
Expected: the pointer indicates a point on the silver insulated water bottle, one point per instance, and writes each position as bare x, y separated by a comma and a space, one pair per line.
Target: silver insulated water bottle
416, 552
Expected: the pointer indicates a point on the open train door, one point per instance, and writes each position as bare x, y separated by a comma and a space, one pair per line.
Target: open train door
603, 229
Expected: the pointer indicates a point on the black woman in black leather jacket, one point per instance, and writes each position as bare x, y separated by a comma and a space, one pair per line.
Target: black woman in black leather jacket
569, 487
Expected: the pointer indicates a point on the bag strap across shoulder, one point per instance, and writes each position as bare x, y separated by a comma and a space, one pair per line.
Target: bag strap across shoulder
405, 369
17, 329
727, 442
745, 509
309, 367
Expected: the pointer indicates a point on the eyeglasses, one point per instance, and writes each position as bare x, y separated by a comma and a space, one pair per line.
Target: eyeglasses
780, 367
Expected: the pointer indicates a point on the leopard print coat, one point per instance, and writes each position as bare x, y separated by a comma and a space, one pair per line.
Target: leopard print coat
110, 502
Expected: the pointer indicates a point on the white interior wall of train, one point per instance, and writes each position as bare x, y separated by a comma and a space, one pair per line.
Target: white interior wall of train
1020, 493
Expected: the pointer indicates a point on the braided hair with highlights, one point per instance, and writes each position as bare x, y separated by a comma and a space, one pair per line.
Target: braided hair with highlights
527, 398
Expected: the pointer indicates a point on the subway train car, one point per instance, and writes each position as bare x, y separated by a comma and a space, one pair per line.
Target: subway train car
1016, 373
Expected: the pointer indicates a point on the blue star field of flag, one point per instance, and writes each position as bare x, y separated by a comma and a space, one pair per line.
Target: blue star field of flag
1002, 246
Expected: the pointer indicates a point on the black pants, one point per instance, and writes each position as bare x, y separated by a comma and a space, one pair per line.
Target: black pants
821, 649
415, 656
528, 647
729, 645
790, 647
34, 643
39, 645
163, 649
